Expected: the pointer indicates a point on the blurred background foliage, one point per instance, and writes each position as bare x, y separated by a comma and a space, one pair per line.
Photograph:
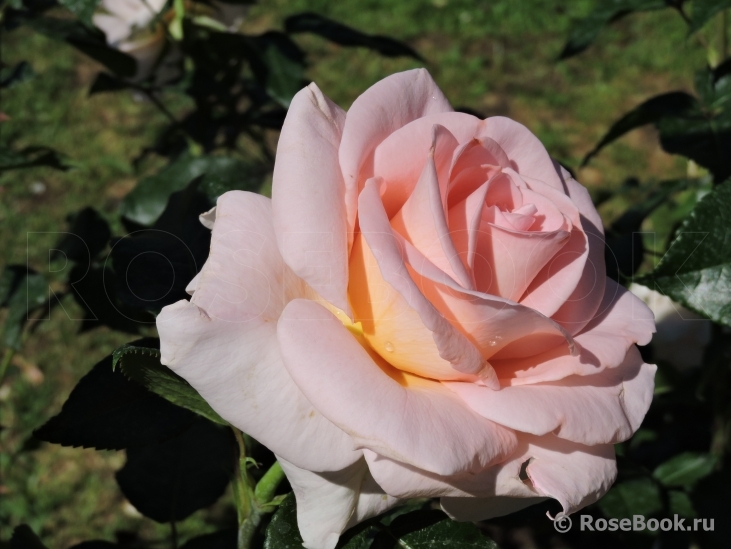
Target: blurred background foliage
149, 153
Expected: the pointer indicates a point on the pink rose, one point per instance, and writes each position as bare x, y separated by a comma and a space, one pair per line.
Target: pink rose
420, 310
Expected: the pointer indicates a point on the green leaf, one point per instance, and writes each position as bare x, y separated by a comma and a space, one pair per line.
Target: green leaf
699, 129
685, 469
140, 361
681, 504
284, 78
639, 496
696, 270
605, 12
83, 9
220, 174
108, 411
24, 538
420, 529
651, 111
704, 10
171, 480
22, 291
345, 36
12, 76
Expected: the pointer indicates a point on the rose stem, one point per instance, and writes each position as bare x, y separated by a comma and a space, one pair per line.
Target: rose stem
253, 500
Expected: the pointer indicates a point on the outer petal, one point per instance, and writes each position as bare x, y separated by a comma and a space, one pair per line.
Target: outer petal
400, 416
308, 195
381, 110
573, 474
384, 320
622, 320
605, 408
224, 342
329, 503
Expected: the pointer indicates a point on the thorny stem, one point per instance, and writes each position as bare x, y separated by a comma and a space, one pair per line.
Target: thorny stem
253, 500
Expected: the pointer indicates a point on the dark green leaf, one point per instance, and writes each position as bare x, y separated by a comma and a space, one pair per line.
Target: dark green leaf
639, 496
225, 539
94, 289
160, 262
420, 529
22, 291
83, 9
696, 270
346, 36
105, 82
11, 76
87, 237
24, 538
30, 157
278, 64
108, 411
605, 12
685, 469
140, 361
170, 480
704, 10
651, 111
148, 199
90, 41
681, 504
701, 136
284, 78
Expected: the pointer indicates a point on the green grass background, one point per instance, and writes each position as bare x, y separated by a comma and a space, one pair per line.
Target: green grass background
497, 57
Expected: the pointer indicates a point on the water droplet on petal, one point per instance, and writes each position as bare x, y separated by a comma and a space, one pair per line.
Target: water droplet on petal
389, 346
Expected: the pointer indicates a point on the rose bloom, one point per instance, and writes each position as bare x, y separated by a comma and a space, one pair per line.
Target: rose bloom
421, 310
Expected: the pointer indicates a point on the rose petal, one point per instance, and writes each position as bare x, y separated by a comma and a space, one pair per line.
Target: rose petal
385, 107
605, 408
407, 418
622, 320
308, 195
527, 154
330, 503
422, 221
540, 467
581, 306
492, 323
389, 317
224, 341
399, 159
115, 29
